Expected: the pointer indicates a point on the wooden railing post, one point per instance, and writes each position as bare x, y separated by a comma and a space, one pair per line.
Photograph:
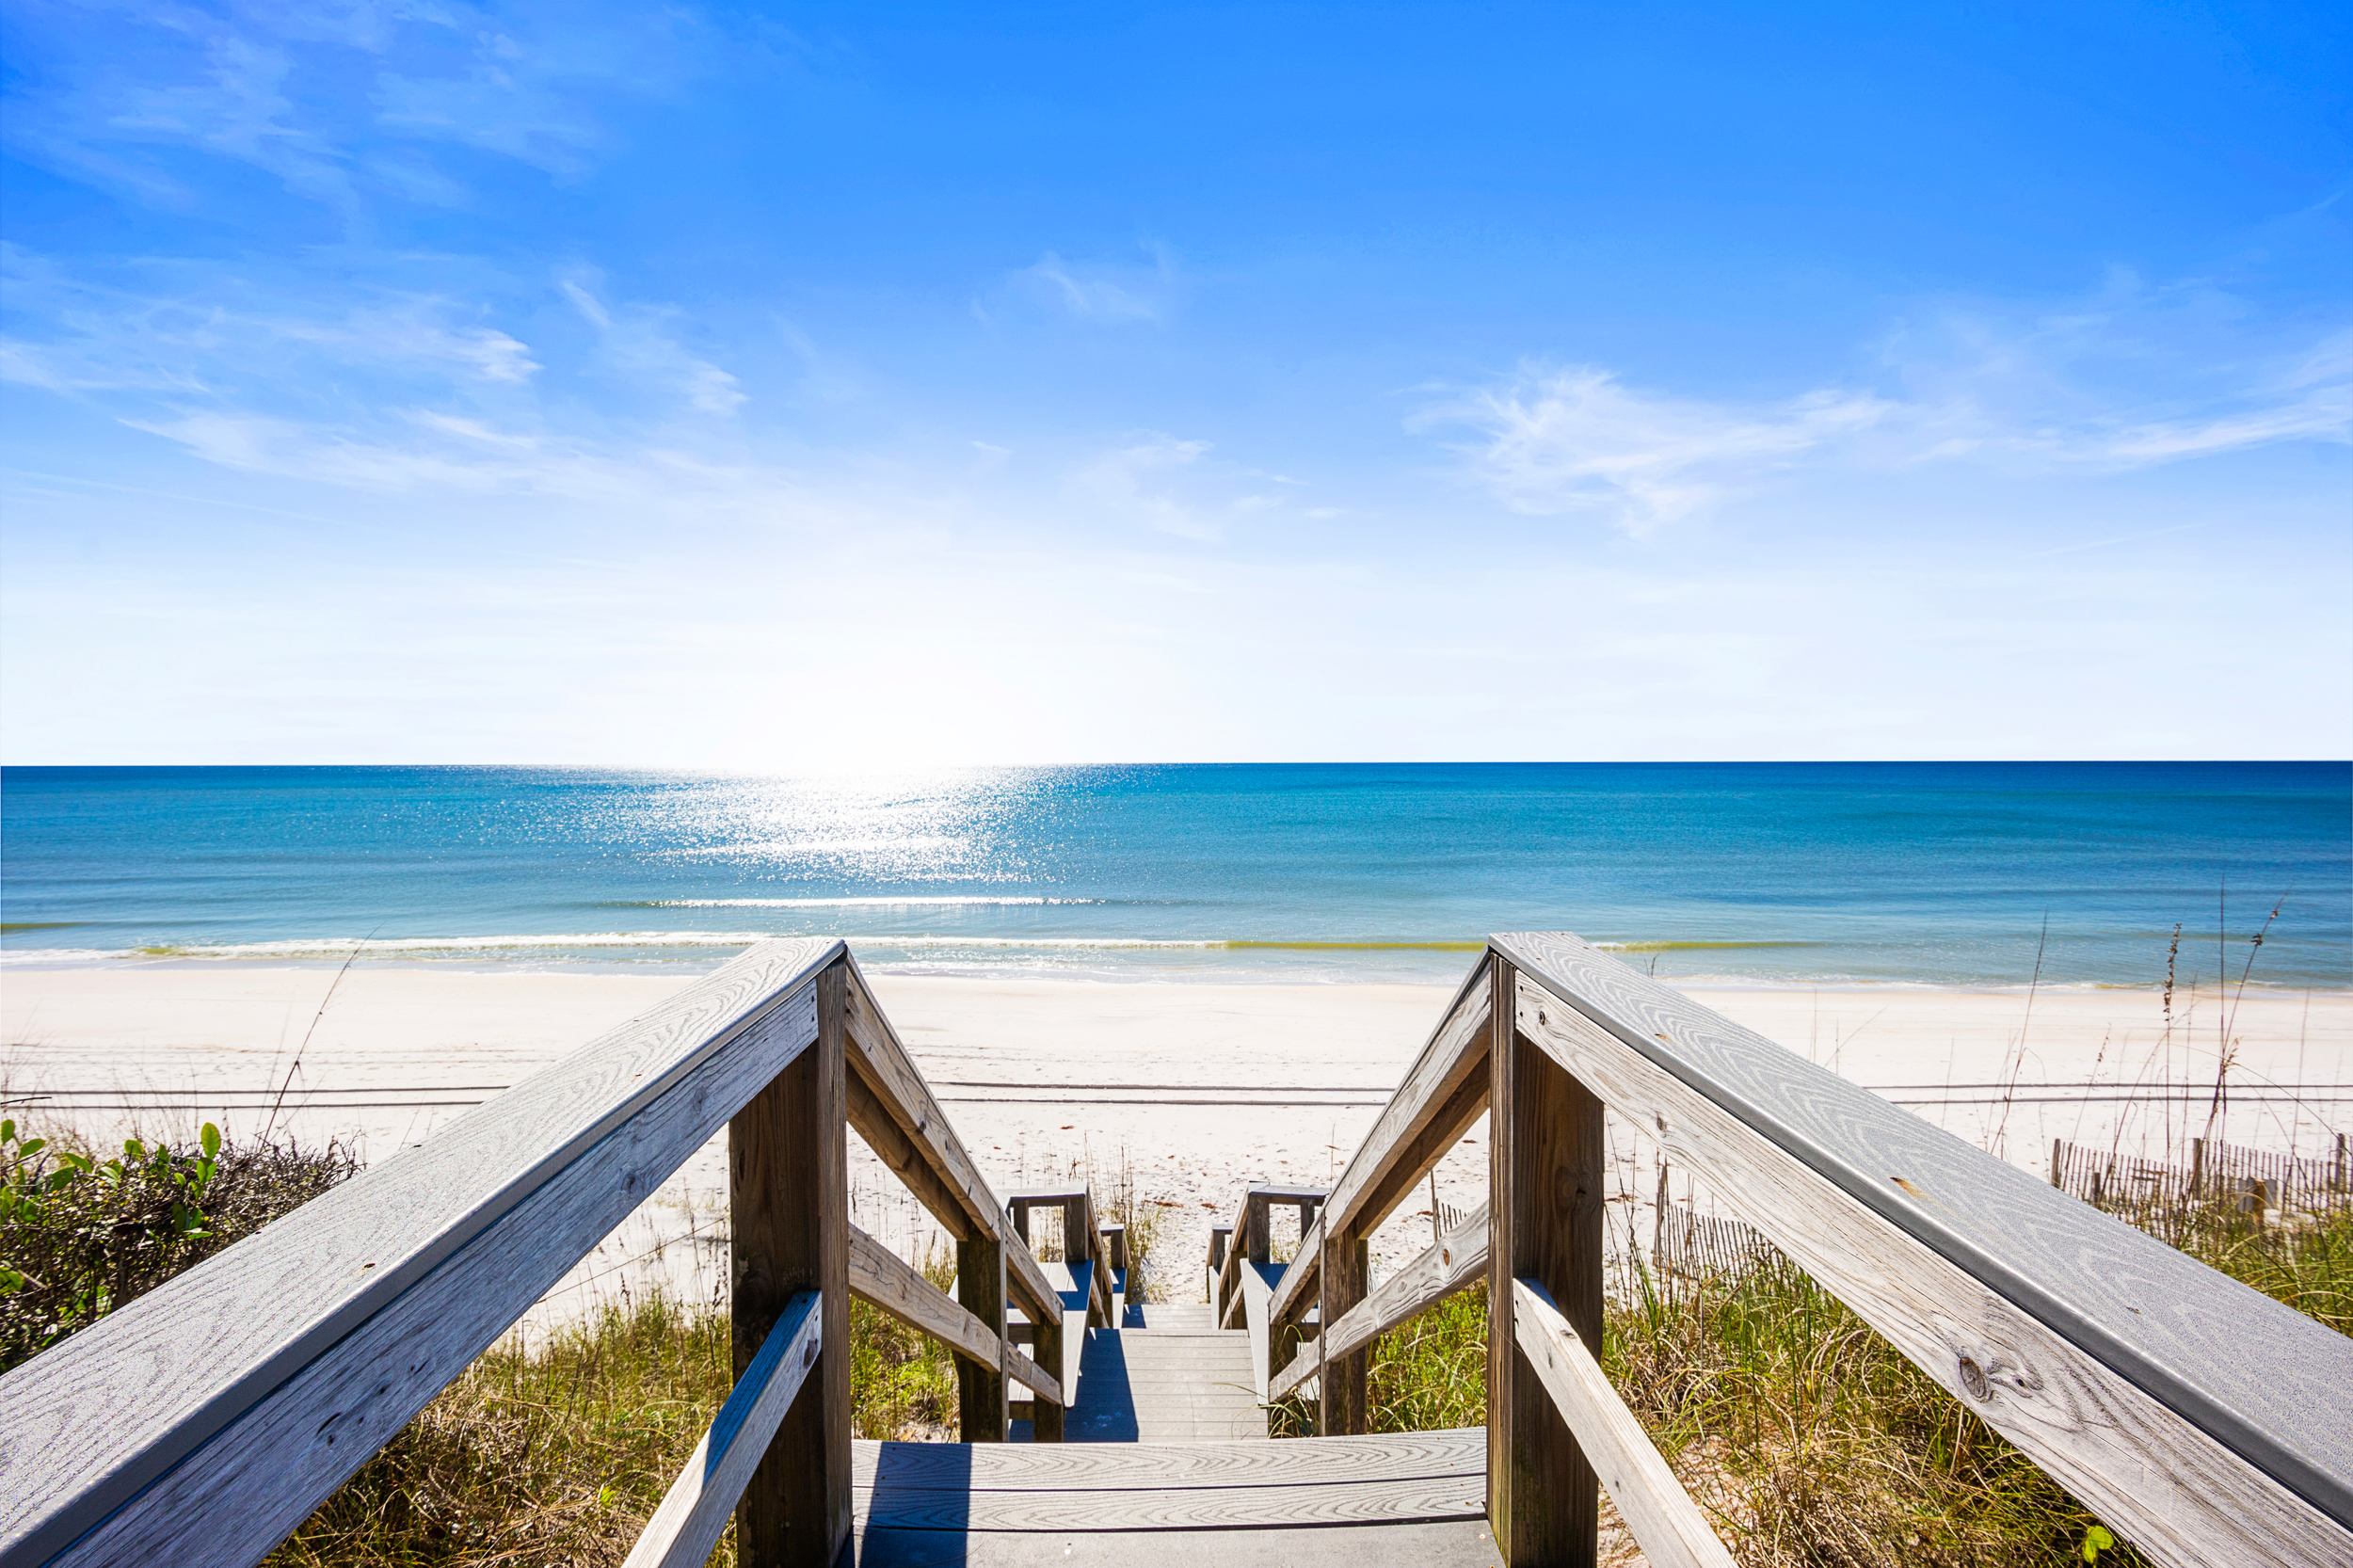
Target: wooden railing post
1045, 1416
788, 1162
1545, 1210
981, 1412
1340, 1407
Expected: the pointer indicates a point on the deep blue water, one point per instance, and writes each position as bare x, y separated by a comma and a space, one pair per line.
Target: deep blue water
1936, 872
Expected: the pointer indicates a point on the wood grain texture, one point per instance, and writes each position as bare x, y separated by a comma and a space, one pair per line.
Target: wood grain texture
1544, 1219
1302, 1503
1100, 1255
685, 1528
2234, 1362
1341, 1410
2176, 1489
1395, 1154
882, 1278
1407, 1543
1120, 1466
982, 1397
789, 1232
1051, 1348
1457, 1259
1666, 1523
967, 1206
261, 1474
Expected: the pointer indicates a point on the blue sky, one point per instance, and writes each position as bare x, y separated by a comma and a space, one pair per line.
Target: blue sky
821, 387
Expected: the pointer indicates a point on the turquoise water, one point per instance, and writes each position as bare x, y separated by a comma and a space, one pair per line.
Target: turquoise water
1770, 873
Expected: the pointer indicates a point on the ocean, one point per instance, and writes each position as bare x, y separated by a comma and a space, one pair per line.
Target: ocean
1970, 873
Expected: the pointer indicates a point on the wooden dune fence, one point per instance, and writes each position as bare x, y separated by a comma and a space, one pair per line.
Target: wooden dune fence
1692, 1246
2223, 1187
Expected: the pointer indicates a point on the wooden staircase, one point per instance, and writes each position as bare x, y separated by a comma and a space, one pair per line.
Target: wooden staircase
1179, 1472
1365, 1502
2204, 1422
1165, 1375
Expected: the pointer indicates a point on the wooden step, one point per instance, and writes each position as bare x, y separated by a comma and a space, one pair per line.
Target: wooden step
1365, 1502
1145, 1385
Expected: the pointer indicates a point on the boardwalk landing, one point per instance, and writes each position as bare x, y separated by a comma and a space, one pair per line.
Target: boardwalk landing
1176, 1471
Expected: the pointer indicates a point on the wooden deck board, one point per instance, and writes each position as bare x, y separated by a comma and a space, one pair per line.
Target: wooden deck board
1363, 1501
1457, 1544
1150, 1385
1013, 1467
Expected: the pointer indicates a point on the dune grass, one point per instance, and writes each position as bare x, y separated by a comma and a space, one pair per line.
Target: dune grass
1808, 1438
556, 1453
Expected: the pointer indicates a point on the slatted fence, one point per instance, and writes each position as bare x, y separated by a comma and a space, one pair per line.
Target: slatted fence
2223, 1189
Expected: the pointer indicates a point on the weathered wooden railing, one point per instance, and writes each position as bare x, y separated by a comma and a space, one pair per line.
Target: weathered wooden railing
205, 1420
1095, 1267
2203, 1421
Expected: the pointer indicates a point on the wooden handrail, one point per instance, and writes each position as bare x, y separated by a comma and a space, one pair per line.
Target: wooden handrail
1081, 1236
1455, 1261
1254, 1299
238, 1395
1442, 1094
686, 1526
290, 1357
1665, 1523
882, 1278
2203, 1420
1229, 1271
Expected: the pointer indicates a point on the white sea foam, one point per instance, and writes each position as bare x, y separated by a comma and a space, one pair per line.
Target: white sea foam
332, 946
336, 947
850, 903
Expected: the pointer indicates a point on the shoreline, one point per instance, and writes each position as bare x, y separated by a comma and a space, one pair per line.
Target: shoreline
683, 971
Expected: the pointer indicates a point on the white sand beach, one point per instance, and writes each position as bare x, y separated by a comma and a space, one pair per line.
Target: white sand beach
1193, 1088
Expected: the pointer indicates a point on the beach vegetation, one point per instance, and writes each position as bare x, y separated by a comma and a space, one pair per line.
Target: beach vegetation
1805, 1436
81, 1234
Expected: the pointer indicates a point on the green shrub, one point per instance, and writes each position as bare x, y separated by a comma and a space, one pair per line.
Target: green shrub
81, 1236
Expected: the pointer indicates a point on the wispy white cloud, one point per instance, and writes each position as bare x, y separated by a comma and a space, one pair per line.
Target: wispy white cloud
424, 451
1171, 486
1553, 441
639, 340
1132, 481
390, 391
79, 334
322, 97
2135, 377
1104, 292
